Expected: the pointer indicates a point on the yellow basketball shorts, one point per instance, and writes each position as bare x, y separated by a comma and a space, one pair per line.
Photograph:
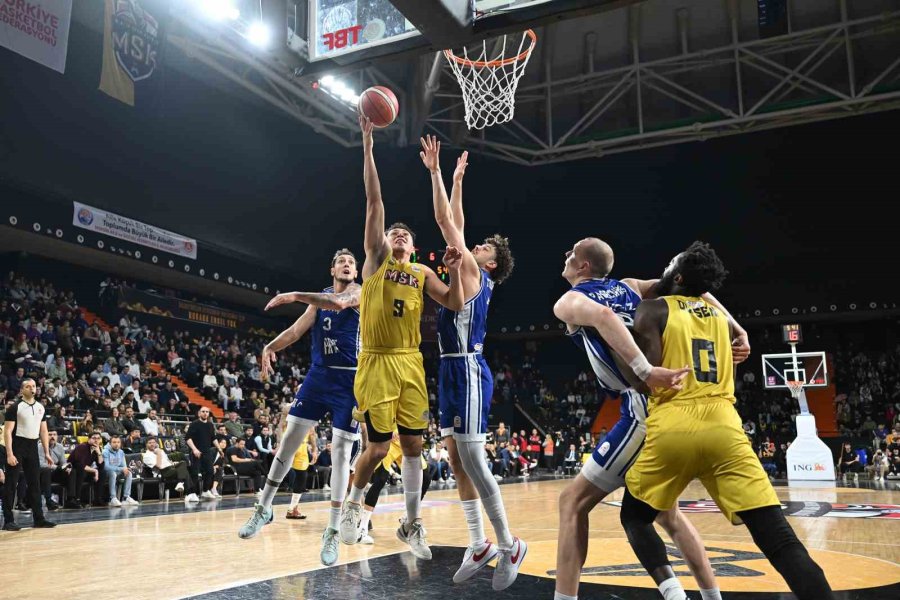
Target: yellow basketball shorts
702, 440
390, 390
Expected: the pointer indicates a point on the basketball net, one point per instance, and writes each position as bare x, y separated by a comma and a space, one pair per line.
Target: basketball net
795, 387
489, 84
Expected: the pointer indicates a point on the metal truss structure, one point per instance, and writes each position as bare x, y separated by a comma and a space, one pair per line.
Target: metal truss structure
742, 87
817, 74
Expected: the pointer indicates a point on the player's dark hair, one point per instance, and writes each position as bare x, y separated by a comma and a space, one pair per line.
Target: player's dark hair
502, 256
701, 270
404, 226
340, 253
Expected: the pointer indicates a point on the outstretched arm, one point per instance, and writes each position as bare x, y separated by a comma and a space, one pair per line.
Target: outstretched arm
576, 309
740, 341
451, 297
430, 154
456, 206
375, 243
285, 339
349, 298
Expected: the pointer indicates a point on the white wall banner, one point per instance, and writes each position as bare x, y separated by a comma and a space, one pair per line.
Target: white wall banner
130, 230
37, 29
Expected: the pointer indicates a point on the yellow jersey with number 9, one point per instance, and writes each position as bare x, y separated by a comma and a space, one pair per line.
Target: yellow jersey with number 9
390, 308
697, 335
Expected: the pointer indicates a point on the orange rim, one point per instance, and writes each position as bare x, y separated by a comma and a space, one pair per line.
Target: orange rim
495, 63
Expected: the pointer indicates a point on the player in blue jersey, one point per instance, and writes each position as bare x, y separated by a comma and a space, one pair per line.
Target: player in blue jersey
333, 320
598, 312
465, 384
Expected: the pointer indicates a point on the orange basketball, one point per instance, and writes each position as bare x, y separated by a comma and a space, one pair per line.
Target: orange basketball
380, 105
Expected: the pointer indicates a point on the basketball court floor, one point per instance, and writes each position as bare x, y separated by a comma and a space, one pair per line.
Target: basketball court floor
161, 551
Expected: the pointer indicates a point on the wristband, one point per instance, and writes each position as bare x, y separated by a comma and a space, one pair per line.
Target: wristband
641, 367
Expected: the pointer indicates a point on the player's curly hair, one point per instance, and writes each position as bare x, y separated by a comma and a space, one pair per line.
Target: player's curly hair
340, 253
504, 258
405, 227
701, 269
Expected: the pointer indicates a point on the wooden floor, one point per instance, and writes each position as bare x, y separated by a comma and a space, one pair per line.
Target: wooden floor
186, 553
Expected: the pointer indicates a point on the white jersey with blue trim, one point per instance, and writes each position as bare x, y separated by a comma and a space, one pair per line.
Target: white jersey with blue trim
335, 337
624, 302
463, 332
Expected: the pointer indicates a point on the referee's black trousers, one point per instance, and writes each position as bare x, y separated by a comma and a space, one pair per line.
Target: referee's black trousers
26, 452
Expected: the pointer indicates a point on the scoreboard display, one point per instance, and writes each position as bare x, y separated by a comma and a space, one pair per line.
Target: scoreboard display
791, 334
433, 259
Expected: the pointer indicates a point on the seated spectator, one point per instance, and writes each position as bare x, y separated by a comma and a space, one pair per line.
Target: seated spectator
150, 425
142, 402
86, 426
571, 459
57, 470
210, 384
175, 474
114, 424
501, 436
250, 441
126, 378
265, 445
493, 460
58, 422
132, 444
87, 462
233, 425
244, 464
767, 457
114, 465
219, 460
129, 422
849, 462
440, 458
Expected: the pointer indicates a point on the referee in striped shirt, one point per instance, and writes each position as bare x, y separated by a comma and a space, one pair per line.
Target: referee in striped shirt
25, 423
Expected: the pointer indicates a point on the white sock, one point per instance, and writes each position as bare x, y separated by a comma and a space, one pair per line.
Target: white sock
493, 506
671, 589
411, 475
472, 510
334, 517
356, 495
364, 521
713, 594
295, 499
561, 596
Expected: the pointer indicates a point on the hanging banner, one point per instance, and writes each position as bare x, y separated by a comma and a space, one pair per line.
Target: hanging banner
137, 301
130, 230
37, 29
133, 35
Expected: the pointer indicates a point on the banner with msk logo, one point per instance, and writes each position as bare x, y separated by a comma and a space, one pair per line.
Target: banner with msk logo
133, 37
37, 29
131, 230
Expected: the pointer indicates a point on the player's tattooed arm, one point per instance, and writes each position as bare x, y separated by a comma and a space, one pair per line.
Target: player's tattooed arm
349, 298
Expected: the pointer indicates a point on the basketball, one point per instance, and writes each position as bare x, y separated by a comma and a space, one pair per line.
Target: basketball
380, 105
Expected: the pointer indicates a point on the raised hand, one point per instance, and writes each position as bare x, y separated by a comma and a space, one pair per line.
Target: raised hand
740, 348
365, 125
286, 298
453, 258
461, 163
431, 149
265, 364
660, 377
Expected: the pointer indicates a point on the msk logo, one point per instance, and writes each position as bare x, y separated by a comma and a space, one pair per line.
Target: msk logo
342, 37
401, 277
85, 217
135, 35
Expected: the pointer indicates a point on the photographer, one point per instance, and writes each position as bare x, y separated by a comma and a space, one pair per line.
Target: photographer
880, 465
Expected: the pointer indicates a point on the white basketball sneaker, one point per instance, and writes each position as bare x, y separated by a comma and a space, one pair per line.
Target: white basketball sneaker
508, 563
414, 535
474, 560
351, 516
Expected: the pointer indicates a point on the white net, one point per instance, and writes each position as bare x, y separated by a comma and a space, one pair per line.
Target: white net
489, 84
795, 388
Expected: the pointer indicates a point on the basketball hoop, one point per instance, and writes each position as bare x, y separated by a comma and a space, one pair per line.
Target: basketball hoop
489, 85
795, 387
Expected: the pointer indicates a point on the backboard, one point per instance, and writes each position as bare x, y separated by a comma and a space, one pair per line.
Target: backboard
342, 27
810, 367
